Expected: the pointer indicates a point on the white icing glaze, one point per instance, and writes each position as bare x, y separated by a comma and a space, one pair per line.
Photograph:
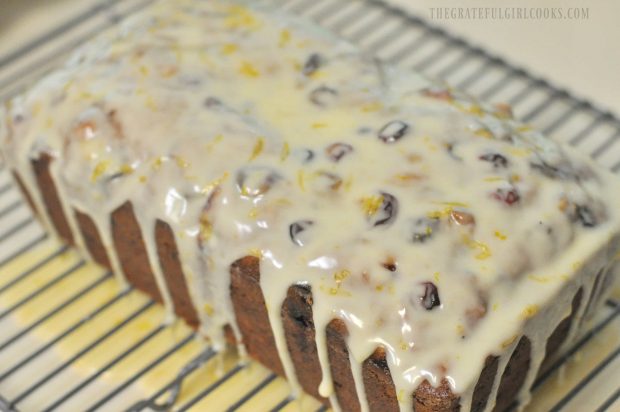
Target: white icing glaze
203, 115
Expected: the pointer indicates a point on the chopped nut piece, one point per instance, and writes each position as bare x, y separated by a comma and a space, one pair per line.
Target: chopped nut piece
85, 130
462, 218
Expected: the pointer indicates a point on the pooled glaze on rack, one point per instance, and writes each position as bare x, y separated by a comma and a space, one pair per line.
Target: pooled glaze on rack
420, 217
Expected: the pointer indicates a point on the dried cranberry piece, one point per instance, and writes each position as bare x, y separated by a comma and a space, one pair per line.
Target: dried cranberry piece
337, 151
296, 228
430, 299
475, 313
585, 216
393, 131
322, 96
255, 181
18, 118
423, 229
450, 150
390, 264
114, 176
327, 181
304, 155
497, 159
308, 155
312, 64
438, 93
387, 211
213, 102
508, 196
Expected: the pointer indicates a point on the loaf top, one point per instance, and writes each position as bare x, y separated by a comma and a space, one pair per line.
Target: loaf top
432, 224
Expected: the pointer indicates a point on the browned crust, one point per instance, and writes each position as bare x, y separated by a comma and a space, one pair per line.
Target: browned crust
251, 313
340, 365
25, 192
92, 239
47, 187
229, 335
378, 384
168, 255
484, 386
560, 333
514, 375
428, 398
301, 340
131, 251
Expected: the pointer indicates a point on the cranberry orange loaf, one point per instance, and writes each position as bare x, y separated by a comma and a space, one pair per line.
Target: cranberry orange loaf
383, 241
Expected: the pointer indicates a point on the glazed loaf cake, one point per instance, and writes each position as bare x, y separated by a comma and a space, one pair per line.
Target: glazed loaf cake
383, 241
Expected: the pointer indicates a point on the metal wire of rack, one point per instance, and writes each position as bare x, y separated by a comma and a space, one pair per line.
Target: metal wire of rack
381, 30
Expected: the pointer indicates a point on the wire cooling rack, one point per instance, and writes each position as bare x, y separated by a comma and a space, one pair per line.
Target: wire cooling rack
71, 340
